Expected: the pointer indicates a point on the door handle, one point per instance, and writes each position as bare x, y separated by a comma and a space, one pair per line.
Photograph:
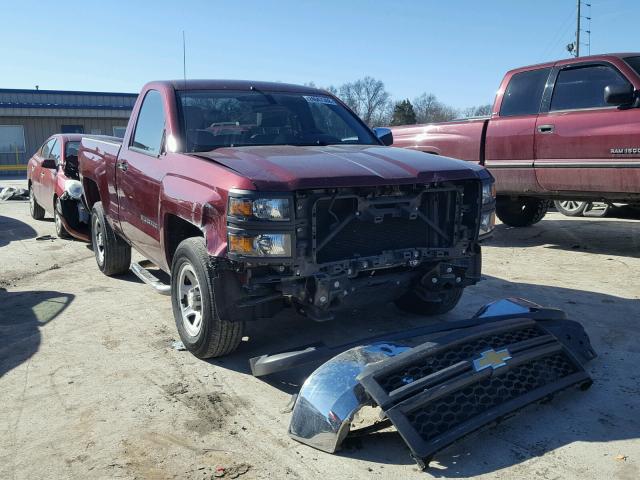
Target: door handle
122, 165
546, 128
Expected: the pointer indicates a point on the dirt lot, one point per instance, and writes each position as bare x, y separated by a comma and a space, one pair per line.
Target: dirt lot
90, 386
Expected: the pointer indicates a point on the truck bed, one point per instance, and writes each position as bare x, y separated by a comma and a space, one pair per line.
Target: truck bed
462, 139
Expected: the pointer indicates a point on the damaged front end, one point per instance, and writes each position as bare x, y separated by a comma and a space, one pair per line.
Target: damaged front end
435, 386
73, 214
329, 249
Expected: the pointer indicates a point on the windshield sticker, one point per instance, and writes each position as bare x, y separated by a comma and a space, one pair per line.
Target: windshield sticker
319, 99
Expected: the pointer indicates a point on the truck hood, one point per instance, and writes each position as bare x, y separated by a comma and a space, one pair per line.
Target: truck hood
289, 167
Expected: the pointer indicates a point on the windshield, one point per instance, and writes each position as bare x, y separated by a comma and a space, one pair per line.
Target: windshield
215, 119
634, 62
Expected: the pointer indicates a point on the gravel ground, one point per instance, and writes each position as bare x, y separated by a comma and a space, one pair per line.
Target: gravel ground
90, 386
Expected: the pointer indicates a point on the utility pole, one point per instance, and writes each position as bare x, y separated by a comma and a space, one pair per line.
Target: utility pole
574, 47
578, 31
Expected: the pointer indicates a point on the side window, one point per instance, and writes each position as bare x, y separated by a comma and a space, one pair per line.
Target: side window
524, 93
45, 151
583, 87
147, 137
55, 152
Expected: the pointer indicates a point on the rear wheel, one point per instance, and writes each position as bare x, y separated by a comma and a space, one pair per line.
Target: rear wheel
113, 254
571, 208
413, 303
61, 232
204, 302
37, 212
521, 211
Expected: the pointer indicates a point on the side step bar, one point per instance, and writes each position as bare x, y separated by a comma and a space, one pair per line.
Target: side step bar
139, 269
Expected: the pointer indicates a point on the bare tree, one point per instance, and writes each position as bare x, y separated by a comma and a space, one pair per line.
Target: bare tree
429, 109
479, 111
369, 99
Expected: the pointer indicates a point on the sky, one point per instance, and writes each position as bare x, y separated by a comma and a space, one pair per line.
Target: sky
455, 49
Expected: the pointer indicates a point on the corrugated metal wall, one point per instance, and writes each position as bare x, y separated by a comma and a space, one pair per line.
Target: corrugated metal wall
38, 129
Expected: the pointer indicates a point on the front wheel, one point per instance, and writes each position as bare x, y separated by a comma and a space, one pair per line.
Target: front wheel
61, 232
413, 303
113, 254
204, 302
37, 212
521, 211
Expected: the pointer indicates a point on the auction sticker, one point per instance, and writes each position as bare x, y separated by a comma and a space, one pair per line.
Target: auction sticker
319, 99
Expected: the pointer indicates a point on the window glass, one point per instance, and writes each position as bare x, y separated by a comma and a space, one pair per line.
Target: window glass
46, 148
634, 62
524, 93
150, 124
216, 119
583, 87
11, 139
55, 152
71, 149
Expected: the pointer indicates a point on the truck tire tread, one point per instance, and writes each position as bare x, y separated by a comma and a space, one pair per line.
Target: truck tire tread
117, 252
222, 328
411, 302
521, 211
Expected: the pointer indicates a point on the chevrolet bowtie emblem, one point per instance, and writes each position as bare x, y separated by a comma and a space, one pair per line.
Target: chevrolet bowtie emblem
491, 359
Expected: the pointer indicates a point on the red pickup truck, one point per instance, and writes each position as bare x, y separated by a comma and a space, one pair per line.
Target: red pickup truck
565, 130
254, 196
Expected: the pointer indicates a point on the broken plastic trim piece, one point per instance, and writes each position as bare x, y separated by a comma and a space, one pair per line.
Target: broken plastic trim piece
306, 354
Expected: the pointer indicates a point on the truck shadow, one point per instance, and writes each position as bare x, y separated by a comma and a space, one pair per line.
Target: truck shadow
22, 316
12, 230
578, 235
605, 413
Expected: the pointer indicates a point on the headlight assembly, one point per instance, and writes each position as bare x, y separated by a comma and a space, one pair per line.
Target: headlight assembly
272, 209
73, 188
488, 192
260, 244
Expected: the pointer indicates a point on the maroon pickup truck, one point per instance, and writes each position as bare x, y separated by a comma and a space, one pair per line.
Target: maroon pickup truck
565, 130
254, 196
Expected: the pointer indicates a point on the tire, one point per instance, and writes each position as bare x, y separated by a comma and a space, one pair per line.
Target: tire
521, 211
61, 232
412, 303
113, 254
571, 208
37, 212
203, 301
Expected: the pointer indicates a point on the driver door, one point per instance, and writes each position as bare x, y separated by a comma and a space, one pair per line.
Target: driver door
577, 139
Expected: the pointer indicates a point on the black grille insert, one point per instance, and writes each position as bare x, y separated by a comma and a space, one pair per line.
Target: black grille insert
449, 411
457, 353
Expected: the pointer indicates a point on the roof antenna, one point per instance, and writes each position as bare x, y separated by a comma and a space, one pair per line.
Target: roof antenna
184, 59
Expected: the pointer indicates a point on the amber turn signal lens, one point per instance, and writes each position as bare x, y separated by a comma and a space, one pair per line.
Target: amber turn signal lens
240, 207
241, 244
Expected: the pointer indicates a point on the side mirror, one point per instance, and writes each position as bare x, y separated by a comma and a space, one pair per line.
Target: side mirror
618, 94
49, 163
384, 135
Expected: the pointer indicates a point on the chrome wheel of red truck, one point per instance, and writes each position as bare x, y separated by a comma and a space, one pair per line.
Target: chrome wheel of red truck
204, 302
113, 255
37, 212
571, 208
189, 299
